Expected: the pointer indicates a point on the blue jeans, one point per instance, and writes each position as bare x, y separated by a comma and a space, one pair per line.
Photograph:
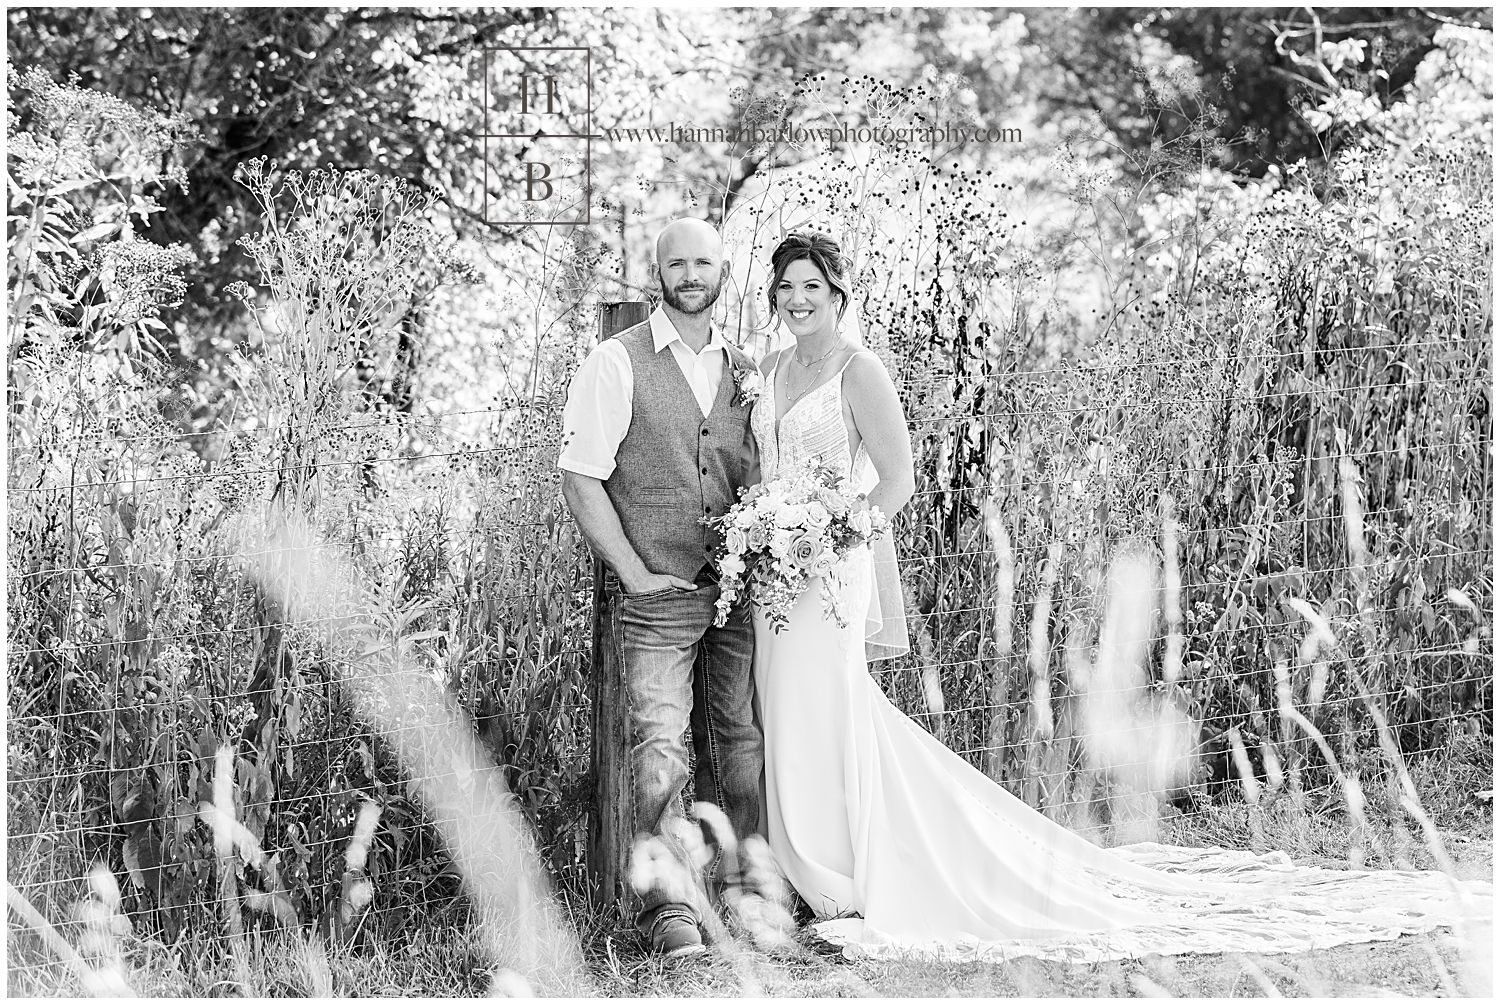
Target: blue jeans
681, 671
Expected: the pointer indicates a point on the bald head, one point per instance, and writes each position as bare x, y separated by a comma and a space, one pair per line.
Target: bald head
687, 234
690, 266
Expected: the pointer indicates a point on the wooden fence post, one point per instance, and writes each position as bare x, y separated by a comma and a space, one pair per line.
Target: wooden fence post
609, 826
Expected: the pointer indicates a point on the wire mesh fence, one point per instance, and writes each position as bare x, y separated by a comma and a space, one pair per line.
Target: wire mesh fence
139, 643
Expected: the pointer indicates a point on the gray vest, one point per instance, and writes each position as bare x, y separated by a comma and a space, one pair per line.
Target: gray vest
674, 466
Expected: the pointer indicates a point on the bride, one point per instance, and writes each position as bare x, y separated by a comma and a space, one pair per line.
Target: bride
896, 842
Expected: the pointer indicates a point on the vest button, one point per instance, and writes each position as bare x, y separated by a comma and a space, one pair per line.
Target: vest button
705, 432
705, 471
708, 509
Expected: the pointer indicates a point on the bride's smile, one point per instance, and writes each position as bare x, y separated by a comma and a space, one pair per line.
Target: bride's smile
806, 303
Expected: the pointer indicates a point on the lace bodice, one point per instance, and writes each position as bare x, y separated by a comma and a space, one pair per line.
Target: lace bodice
812, 427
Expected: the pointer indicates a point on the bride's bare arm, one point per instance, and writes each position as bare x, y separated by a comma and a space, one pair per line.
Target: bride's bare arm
882, 429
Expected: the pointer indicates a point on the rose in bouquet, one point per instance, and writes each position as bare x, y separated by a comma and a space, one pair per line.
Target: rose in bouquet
784, 533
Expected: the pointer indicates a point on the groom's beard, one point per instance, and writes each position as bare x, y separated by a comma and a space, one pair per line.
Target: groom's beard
674, 299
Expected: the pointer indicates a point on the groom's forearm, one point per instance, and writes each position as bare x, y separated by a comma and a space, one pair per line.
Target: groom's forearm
596, 516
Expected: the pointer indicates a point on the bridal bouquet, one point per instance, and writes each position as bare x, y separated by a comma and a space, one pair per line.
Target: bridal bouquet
784, 532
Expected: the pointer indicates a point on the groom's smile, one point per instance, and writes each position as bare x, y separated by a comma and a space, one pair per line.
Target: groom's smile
691, 296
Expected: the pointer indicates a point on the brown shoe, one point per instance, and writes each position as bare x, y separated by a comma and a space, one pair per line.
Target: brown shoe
675, 935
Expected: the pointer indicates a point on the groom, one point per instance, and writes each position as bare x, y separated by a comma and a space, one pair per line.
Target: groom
655, 438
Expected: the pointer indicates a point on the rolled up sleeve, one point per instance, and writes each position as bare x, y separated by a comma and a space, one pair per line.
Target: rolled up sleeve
597, 413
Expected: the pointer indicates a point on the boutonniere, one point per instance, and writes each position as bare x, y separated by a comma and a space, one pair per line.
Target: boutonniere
750, 384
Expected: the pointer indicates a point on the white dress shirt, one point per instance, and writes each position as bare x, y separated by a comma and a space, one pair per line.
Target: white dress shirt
597, 414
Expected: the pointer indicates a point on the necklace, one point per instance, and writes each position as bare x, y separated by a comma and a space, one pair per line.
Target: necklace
820, 358
786, 379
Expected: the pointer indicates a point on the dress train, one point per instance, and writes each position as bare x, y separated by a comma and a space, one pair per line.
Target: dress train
869, 814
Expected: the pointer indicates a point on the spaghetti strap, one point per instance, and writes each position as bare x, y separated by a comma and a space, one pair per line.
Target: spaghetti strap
852, 357
776, 361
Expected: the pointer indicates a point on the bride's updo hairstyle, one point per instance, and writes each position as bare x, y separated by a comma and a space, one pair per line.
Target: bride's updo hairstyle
820, 249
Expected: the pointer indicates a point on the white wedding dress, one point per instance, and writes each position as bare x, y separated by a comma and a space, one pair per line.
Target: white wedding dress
903, 846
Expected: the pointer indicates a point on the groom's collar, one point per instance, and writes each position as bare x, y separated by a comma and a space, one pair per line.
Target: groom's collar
664, 333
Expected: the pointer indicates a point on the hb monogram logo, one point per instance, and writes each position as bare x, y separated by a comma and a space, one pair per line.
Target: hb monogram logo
538, 124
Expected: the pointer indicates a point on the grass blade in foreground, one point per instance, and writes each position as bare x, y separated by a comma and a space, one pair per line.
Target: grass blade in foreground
460, 787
